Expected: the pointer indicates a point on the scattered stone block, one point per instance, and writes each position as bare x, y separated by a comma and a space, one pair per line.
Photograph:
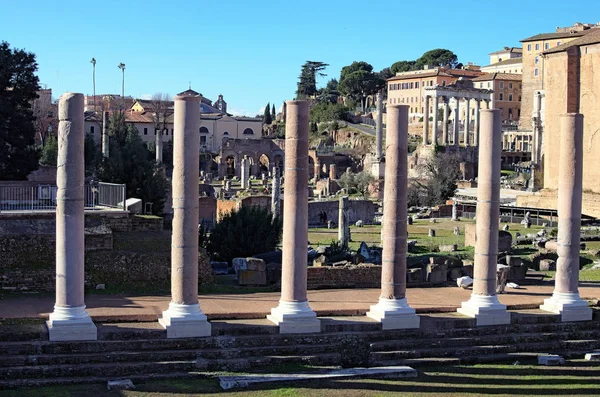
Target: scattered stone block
517, 273
359, 223
340, 263
464, 282
432, 220
431, 233
456, 231
505, 227
414, 276
437, 274
252, 277
448, 247
120, 384
219, 267
504, 241
134, 205
467, 270
437, 260
595, 356
455, 273
547, 265
319, 261
100, 286
551, 359
255, 264
409, 220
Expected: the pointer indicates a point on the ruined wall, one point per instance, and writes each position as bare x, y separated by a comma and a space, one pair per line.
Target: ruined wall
358, 209
207, 209
351, 276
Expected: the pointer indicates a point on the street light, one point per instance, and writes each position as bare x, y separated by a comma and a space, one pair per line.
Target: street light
122, 67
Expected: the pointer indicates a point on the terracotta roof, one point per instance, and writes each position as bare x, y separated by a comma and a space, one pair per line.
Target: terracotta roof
511, 61
550, 36
499, 76
509, 49
593, 37
464, 72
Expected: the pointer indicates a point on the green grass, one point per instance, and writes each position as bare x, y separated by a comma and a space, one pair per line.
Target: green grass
585, 275
577, 378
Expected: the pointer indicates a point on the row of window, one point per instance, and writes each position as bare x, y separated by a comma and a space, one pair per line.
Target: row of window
546, 46
510, 97
412, 85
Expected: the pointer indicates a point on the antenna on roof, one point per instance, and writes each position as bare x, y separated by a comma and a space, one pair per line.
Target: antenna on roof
190, 85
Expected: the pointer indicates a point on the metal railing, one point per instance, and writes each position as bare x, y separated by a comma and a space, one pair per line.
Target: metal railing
43, 197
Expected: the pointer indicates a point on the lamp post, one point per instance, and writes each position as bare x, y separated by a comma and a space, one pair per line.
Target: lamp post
93, 62
122, 67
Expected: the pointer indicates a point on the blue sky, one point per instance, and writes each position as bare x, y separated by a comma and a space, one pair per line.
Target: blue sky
251, 52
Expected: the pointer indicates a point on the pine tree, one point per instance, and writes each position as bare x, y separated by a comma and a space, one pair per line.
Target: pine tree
273, 113
267, 115
18, 89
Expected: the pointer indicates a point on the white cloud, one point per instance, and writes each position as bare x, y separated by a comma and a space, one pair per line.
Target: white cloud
146, 96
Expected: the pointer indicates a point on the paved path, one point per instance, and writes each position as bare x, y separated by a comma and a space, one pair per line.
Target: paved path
243, 306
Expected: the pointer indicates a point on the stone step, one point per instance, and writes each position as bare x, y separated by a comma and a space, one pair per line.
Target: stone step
250, 363
451, 352
113, 370
482, 340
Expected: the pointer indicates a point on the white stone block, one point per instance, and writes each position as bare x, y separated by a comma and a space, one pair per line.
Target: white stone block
120, 384
595, 356
394, 314
551, 359
486, 310
569, 305
185, 321
295, 318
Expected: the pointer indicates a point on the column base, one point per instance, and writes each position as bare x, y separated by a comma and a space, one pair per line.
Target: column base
71, 324
295, 318
487, 310
569, 305
185, 321
394, 314
378, 169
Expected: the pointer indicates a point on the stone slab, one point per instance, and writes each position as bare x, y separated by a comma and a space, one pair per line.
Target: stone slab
75, 332
595, 356
229, 382
252, 277
187, 329
120, 384
551, 359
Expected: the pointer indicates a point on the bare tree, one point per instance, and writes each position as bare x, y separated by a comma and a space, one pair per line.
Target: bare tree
162, 112
45, 121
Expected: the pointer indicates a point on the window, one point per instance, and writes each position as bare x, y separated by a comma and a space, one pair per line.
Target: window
412, 85
502, 84
417, 84
91, 129
537, 60
203, 130
519, 98
171, 131
166, 131
500, 96
528, 47
546, 46
248, 131
510, 85
558, 43
225, 133
510, 97
145, 131
203, 139
537, 46
488, 84
536, 72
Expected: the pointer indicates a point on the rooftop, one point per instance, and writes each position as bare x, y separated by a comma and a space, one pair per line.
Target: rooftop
511, 61
577, 30
517, 50
438, 71
499, 76
592, 37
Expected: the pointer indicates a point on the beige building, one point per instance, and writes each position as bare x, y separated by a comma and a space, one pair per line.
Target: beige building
408, 87
215, 125
507, 60
533, 62
507, 93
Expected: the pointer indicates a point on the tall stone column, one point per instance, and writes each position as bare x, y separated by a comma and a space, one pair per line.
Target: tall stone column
392, 310
332, 171
317, 170
70, 320
565, 300
105, 138
484, 305
426, 121
294, 315
467, 120
244, 172
276, 196
379, 127
184, 318
159, 146
456, 141
445, 126
477, 122
434, 132
343, 225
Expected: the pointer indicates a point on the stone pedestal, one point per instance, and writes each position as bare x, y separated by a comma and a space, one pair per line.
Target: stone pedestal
70, 321
566, 300
392, 310
294, 315
483, 304
184, 319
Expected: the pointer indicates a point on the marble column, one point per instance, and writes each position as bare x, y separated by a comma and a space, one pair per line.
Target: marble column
434, 132
392, 310
244, 172
159, 146
69, 320
343, 226
467, 120
184, 318
294, 315
445, 139
426, 121
105, 138
484, 305
379, 127
276, 193
566, 300
477, 122
456, 140
332, 172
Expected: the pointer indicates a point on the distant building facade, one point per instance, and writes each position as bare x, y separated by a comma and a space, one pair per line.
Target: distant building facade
507, 93
508, 60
